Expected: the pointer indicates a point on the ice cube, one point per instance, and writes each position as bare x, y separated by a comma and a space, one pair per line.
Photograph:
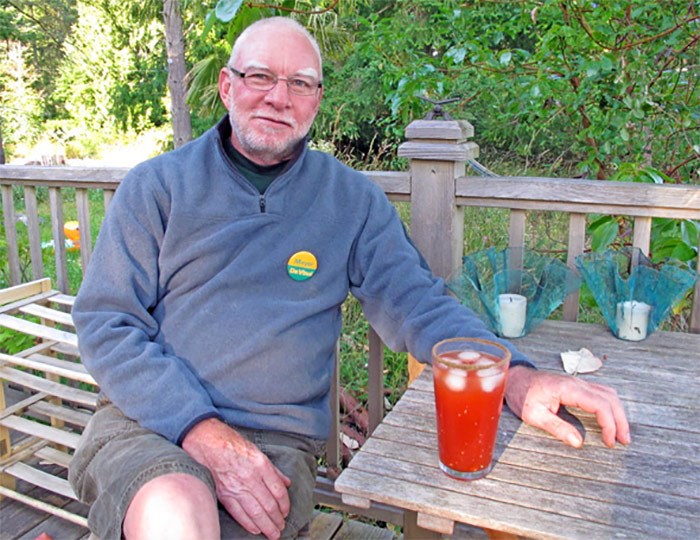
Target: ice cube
489, 376
468, 355
456, 380
483, 362
492, 381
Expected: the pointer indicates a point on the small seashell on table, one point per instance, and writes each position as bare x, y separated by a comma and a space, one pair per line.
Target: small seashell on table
581, 361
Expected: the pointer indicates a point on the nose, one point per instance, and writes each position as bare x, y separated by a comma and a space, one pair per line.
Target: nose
278, 96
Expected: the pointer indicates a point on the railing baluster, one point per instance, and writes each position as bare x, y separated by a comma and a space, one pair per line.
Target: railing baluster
59, 245
8, 209
31, 207
516, 240
577, 243
375, 383
642, 233
107, 196
83, 205
695, 314
333, 442
516, 230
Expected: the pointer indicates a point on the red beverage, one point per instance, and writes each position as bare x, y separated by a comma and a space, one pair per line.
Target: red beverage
470, 380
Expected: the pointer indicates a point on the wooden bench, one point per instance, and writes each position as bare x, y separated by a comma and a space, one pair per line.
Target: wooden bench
46, 400
53, 396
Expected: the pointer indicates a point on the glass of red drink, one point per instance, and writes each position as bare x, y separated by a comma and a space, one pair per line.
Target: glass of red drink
469, 375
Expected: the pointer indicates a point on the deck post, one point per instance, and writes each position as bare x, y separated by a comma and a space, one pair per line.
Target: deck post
438, 151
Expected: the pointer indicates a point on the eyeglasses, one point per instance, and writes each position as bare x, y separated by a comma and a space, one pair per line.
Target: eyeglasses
264, 81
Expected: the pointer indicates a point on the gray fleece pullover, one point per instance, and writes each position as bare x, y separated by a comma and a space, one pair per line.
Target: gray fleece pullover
197, 304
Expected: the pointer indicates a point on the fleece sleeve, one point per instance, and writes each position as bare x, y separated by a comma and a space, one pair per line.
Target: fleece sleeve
114, 321
407, 306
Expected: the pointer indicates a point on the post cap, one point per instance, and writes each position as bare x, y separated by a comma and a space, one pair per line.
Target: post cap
451, 130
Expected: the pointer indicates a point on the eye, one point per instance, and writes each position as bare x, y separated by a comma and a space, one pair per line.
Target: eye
301, 84
260, 77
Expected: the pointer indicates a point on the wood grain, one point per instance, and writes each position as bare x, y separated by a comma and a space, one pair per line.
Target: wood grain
540, 487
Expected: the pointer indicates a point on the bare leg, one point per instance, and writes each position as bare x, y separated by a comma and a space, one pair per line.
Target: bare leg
174, 506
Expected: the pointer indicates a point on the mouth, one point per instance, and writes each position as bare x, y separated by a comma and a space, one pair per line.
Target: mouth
274, 122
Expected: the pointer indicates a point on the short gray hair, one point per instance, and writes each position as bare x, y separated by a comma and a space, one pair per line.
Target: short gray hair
274, 21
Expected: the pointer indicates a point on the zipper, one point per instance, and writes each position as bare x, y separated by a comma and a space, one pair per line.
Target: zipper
262, 204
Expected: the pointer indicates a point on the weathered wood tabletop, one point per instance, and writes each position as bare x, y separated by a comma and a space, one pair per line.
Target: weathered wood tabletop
539, 487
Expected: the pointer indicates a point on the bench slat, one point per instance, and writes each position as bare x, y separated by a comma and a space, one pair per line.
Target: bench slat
72, 416
42, 385
42, 431
20, 406
25, 291
38, 330
42, 479
63, 299
47, 364
54, 456
40, 505
44, 312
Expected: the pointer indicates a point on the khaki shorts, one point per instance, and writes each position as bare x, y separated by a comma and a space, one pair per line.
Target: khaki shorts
116, 457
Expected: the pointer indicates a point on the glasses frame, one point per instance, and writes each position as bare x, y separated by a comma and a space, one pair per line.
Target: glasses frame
276, 80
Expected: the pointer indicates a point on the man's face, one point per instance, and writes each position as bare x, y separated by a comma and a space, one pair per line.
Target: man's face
268, 125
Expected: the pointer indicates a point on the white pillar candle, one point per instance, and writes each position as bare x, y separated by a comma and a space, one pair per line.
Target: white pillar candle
632, 320
513, 311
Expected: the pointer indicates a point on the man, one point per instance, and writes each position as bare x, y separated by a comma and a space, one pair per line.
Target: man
212, 303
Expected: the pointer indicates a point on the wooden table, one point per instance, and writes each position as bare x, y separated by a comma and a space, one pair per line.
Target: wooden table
539, 487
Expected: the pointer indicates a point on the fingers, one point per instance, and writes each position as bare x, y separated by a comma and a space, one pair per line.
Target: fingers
537, 396
253, 522
248, 485
607, 407
256, 497
253, 516
562, 430
278, 484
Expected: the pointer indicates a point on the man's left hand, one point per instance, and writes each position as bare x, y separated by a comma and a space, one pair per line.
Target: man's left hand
535, 396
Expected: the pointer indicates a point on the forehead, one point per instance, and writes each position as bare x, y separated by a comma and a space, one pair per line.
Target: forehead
281, 49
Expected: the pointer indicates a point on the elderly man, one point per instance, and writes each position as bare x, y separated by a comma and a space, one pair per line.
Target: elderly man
210, 310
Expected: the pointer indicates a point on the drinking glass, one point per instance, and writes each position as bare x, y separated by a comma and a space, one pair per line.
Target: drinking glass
469, 375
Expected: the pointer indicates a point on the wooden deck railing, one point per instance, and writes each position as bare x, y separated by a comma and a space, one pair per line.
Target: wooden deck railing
435, 186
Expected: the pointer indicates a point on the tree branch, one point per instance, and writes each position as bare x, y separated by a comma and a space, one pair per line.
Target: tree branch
671, 58
671, 172
580, 17
293, 10
36, 21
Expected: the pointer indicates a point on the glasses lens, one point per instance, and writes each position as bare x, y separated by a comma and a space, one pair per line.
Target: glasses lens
264, 81
259, 80
302, 86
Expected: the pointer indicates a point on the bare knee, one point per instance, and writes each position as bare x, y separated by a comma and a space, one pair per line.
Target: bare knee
172, 506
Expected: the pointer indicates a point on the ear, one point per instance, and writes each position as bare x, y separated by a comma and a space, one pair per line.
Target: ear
225, 87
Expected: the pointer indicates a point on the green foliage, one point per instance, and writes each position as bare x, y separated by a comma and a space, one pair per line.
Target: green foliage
603, 231
674, 239
80, 72
354, 354
590, 87
20, 103
670, 238
13, 342
598, 84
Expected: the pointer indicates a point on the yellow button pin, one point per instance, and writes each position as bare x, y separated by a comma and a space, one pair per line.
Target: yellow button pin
302, 265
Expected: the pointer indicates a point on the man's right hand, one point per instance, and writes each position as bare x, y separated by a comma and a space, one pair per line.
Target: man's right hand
249, 486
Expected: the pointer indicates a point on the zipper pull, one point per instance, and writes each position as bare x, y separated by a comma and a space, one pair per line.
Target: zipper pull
262, 203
